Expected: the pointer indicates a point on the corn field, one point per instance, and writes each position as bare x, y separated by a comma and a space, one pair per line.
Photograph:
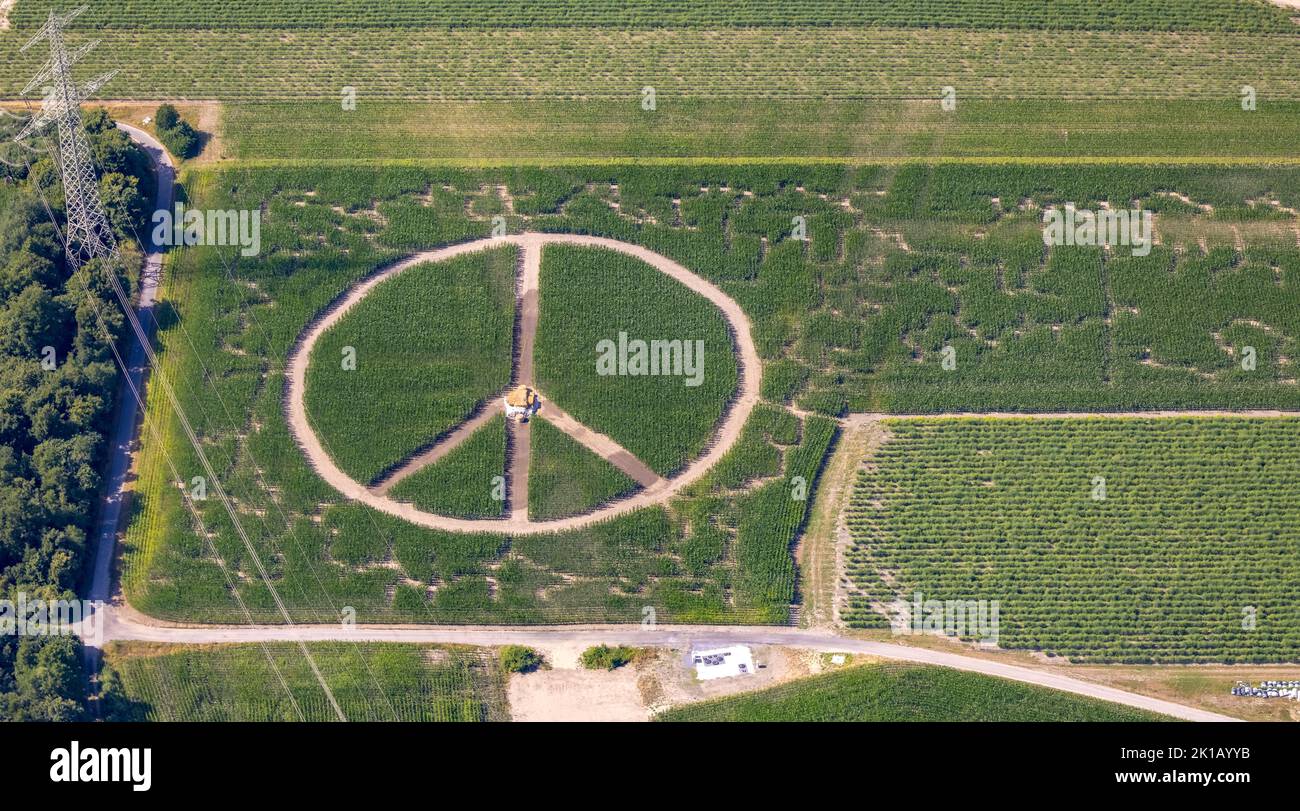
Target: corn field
236, 683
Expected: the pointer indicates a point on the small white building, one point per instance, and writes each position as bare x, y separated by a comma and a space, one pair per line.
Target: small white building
723, 663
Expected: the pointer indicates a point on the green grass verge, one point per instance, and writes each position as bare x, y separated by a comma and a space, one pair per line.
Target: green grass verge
906, 693
565, 478
685, 129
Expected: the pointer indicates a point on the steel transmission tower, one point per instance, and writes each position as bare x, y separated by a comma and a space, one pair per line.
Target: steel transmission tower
88, 234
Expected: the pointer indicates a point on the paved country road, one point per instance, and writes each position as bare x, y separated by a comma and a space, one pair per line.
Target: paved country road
121, 623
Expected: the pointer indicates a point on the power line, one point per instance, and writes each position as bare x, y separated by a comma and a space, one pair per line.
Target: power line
88, 237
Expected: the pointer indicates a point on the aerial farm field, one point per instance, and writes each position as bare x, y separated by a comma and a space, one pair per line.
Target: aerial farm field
1107, 540
903, 693
864, 378
409, 683
481, 51
898, 264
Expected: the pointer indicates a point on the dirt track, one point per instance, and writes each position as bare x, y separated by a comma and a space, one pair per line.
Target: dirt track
126, 418
127, 625
748, 365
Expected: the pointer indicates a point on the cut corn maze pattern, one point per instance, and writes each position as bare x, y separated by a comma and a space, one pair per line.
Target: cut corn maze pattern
661, 393
933, 251
428, 345
1187, 554
461, 485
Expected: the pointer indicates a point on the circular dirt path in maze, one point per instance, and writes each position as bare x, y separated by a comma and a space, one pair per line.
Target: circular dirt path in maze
655, 489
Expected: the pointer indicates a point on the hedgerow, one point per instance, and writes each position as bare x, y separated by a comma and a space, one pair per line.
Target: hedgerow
603, 657
519, 659
176, 133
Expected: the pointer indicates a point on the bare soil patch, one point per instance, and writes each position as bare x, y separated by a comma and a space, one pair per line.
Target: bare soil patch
658, 680
576, 695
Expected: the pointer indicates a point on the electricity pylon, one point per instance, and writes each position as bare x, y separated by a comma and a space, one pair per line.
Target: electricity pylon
88, 235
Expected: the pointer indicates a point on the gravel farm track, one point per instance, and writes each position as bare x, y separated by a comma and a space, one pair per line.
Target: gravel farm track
113, 620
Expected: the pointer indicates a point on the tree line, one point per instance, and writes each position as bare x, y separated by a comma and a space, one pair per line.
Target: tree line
58, 383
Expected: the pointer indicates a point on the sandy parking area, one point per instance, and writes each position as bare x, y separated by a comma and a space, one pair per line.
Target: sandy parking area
576, 695
657, 681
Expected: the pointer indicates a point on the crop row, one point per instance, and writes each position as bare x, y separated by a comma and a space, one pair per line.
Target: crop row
1057, 14
565, 478
1102, 540
596, 304
775, 514
468, 482
409, 683
412, 360
904, 693
784, 63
